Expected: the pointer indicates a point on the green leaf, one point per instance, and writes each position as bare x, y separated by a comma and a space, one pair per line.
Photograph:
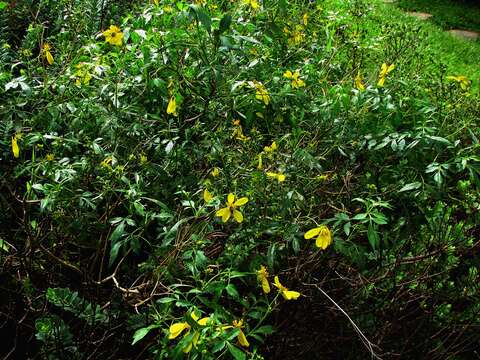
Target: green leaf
373, 237
411, 186
225, 23
232, 291
3, 5
236, 352
204, 19
140, 333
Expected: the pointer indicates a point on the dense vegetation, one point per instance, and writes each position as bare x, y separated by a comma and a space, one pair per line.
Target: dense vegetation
236, 179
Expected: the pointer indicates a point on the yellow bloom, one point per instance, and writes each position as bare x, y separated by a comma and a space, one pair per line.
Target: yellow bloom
113, 35
172, 106
260, 162
262, 277
15, 148
462, 80
287, 294
296, 36
231, 209
253, 4
280, 177
261, 92
297, 82
324, 238
238, 133
82, 74
305, 19
106, 163
143, 159
200, 2
46, 52
215, 172
271, 148
177, 328
384, 71
207, 197
359, 83
50, 157
242, 339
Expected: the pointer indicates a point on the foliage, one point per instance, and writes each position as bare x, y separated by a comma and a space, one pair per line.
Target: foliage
207, 179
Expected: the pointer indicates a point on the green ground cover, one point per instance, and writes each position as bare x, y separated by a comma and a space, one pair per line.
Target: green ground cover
237, 180
448, 14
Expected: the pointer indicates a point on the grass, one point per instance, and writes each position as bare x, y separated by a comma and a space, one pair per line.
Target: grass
461, 57
448, 14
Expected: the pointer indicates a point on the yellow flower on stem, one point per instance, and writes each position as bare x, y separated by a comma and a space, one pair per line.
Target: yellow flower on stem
287, 294
172, 106
113, 35
261, 92
384, 71
15, 148
462, 80
271, 148
207, 197
262, 277
297, 82
242, 339
215, 172
50, 157
177, 328
46, 52
280, 177
231, 209
305, 19
358, 82
324, 236
253, 4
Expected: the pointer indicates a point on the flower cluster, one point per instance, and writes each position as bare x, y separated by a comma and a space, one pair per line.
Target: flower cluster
297, 82
262, 277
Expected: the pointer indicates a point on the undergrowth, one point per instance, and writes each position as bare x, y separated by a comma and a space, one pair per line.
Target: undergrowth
246, 180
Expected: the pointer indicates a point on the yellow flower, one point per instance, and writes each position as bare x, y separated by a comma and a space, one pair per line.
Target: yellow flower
215, 172
143, 159
262, 277
462, 80
200, 2
261, 92
359, 83
324, 236
172, 106
106, 163
113, 35
260, 162
271, 148
15, 148
50, 157
242, 339
238, 133
82, 74
384, 71
177, 328
253, 4
280, 177
295, 76
287, 294
46, 52
296, 36
231, 209
305, 19
207, 197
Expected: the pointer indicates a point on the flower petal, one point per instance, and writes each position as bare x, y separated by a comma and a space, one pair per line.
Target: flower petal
240, 202
237, 215
265, 286
276, 283
291, 295
230, 199
176, 329
312, 233
203, 321
224, 214
242, 339
207, 197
